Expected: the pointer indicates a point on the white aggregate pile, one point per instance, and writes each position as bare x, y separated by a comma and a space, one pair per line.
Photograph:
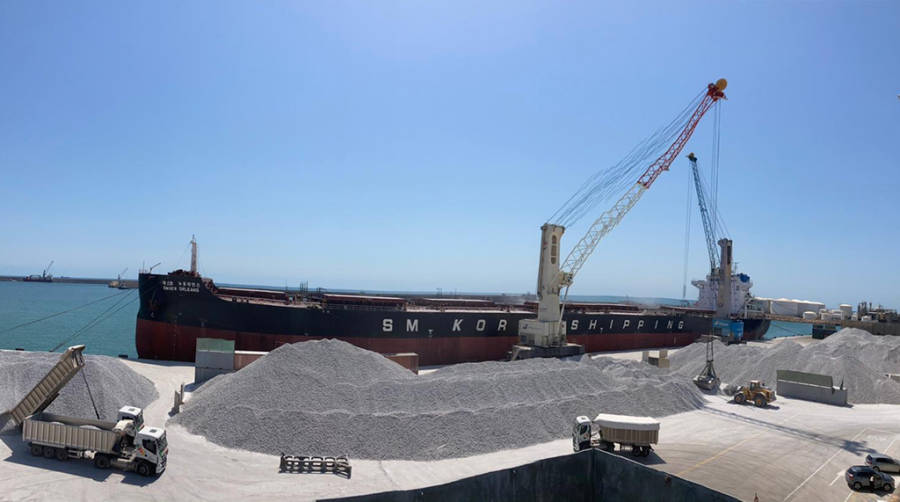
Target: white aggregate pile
112, 384
855, 356
328, 397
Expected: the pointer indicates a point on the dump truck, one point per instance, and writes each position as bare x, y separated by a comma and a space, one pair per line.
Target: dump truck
638, 433
126, 443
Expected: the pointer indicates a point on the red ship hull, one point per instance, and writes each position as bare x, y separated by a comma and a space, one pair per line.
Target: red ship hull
160, 340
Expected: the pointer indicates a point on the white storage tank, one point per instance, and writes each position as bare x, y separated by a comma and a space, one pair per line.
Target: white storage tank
785, 307
809, 315
866, 318
763, 304
846, 310
825, 316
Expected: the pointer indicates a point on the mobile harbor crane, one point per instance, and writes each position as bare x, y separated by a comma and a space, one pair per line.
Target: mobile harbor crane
545, 336
726, 292
126, 443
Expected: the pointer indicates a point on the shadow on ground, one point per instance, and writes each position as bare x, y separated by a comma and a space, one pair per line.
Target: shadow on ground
652, 459
20, 454
855, 447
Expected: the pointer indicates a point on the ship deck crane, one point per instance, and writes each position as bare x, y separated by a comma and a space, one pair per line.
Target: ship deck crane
704, 215
546, 335
47, 270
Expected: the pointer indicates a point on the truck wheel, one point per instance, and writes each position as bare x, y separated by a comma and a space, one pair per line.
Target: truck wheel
62, 454
888, 487
143, 469
739, 398
636, 450
48, 452
857, 486
101, 461
760, 401
36, 450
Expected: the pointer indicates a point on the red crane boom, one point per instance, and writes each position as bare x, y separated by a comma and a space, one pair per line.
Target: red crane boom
714, 92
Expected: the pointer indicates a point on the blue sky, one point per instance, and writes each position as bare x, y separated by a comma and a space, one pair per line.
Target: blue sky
404, 146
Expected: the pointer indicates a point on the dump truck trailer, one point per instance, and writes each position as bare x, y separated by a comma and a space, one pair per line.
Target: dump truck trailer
638, 433
39, 398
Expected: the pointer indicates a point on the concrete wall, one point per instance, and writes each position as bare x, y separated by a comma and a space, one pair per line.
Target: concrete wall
803, 377
591, 475
817, 393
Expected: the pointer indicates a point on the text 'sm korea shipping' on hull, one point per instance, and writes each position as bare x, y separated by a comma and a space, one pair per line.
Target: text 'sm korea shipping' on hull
180, 307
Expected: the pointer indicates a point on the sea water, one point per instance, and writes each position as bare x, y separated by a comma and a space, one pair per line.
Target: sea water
104, 327
103, 318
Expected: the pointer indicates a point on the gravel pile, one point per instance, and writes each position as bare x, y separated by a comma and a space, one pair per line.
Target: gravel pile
853, 356
112, 383
328, 397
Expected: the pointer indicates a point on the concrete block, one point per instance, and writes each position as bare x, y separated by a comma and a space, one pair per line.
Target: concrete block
819, 394
215, 344
214, 359
204, 374
803, 377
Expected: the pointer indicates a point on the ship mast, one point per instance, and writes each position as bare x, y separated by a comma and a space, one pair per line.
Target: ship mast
194, 256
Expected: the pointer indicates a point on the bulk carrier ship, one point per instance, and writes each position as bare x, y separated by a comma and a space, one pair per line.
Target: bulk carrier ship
179, 307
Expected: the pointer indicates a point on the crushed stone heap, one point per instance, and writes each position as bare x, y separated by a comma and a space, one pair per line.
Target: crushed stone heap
113, 385
329, 397
859, 359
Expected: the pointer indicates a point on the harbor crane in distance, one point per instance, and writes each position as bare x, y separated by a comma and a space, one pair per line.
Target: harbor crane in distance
545, 336
704, 214
720, 275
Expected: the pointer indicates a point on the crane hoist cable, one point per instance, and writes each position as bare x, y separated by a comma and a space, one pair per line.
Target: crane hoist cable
110, 311
611, 182
17, 326
608, 220
90, 394
687, 237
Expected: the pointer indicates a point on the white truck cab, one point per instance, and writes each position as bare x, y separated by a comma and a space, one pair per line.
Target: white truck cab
150, 444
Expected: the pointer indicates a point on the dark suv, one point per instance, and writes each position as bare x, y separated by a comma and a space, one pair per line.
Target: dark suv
863, 476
